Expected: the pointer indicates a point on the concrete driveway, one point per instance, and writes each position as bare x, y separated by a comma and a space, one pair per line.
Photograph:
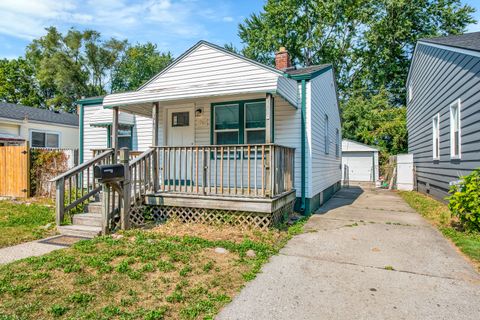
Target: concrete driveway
368, 255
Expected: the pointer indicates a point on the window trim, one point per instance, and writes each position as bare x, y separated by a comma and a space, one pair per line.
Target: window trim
337, 143
58, 133
326, 134
242, 119
246, 130
458, 104
436, 134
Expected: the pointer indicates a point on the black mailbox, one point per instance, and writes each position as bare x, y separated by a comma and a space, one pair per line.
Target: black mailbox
109, 172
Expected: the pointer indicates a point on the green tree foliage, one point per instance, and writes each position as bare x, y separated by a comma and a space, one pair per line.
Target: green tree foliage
17, 82
139, 64
373, 120
59, 69
369, 43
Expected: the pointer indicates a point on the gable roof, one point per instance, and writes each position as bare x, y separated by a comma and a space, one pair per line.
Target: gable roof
350, 145
309, 70
468, 41
214, 46
20, 112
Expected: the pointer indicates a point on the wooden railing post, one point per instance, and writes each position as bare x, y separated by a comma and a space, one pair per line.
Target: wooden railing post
105, 208
60, 200
124, 159
205, 168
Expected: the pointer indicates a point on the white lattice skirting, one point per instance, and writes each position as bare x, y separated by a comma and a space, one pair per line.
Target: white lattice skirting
141, 214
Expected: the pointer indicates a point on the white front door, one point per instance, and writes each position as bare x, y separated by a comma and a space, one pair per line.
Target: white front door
180, 127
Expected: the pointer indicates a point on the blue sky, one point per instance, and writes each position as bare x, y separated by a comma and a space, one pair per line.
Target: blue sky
173, 25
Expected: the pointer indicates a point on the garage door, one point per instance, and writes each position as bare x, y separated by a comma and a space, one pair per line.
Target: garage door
358, 165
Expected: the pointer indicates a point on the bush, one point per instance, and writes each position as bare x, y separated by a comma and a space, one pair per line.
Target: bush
465, 200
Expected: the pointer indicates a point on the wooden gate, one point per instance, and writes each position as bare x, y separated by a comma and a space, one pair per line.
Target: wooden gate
14, 171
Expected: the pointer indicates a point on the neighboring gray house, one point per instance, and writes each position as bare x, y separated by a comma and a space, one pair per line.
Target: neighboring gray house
443, 110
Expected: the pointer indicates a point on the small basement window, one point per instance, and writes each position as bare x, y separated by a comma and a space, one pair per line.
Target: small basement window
41, 139
455, 130
436, 136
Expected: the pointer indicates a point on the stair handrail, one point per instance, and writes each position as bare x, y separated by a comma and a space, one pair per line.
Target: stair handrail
82, 176
143, 172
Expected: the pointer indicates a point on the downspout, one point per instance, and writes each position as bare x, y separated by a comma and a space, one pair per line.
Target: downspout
80, 151
303, 142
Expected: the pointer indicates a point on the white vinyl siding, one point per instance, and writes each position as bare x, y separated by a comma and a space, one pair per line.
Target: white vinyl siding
436, 136
455, 130
325, 167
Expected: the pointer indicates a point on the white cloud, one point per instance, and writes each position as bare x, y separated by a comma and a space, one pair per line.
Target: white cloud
27, 19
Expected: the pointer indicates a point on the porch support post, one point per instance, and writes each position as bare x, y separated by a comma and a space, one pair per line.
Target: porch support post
124, 158
115, 133
269, 118
155, 116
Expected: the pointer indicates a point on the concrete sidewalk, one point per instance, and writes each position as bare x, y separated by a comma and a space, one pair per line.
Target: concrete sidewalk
341, 268
25, 250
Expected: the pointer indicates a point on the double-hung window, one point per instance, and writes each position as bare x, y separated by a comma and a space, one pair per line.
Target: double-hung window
43, 139
455, 130
239, 122
436, 136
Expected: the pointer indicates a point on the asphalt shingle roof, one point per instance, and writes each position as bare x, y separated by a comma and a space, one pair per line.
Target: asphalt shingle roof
307, 70
19, 112
470, 41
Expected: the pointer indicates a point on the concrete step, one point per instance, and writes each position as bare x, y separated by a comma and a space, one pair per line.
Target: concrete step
94, 207
80, 231
88, 219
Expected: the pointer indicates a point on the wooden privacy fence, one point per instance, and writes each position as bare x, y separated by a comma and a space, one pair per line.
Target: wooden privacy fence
14, 171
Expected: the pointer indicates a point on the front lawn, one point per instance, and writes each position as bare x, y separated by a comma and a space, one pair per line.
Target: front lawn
25, 221
175, 271
439, 214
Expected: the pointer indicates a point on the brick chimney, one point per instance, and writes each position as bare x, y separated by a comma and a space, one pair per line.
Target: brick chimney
282, 59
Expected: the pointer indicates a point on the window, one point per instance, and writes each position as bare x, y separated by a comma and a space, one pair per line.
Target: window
227, 124
255, 122
455, 130
180, 119
124, 137
436, 136
45, 139
327, 138
410, 93
337, 143
239, 122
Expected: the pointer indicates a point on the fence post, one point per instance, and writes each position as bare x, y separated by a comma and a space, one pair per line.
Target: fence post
125, 208
105, 208
60, 200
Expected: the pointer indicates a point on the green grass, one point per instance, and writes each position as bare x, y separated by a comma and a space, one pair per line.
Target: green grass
171, 273
438, 213
21, 222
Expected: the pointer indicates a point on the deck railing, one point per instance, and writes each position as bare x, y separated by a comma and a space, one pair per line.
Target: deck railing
77, 186
259, 170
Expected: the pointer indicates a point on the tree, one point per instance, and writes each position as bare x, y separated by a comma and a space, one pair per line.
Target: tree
139, 64
17, 83
373, 120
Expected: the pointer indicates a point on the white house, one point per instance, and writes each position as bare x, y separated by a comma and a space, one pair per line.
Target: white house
360, 162
223, 127
40, 127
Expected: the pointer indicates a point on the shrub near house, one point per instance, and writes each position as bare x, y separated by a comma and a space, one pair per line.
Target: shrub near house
465, 200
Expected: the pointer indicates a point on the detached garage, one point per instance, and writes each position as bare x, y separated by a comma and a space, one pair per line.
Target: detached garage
359, 162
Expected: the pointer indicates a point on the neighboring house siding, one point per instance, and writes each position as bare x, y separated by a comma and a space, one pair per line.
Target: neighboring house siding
68, 135
326, 168
438, 78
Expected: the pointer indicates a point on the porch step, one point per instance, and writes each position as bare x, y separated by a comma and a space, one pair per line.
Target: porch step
80, 231
94, 207
88, 219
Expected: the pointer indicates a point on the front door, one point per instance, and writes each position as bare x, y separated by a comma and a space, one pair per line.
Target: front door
180, 127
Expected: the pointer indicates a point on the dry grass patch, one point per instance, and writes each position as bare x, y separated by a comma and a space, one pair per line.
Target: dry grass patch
170, 272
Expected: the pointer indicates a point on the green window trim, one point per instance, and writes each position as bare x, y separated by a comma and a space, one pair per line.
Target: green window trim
241, 118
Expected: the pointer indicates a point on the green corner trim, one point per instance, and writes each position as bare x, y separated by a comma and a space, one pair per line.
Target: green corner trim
303, 142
